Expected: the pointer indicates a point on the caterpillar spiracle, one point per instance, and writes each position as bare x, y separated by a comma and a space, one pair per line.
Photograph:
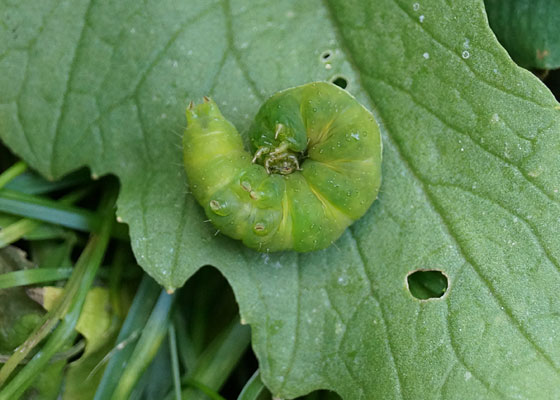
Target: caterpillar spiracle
315, 168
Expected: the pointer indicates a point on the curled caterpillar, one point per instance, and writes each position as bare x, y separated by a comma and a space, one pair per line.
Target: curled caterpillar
315, 168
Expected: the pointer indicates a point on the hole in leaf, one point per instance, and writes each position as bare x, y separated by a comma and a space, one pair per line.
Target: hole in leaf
340, 82
326, 55
427, 284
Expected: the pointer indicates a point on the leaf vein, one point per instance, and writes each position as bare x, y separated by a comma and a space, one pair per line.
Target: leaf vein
63, 108
530, 226
297, 327
235, 51
390, 349
25, 79
341, 340
471, 140
455, 351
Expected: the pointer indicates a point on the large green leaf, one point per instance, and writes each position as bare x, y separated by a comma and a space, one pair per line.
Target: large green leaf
471, 178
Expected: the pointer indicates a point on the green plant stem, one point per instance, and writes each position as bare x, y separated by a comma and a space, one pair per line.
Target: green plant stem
147, 346
174, 361
253, 388
67, 310
33, 276
12, 172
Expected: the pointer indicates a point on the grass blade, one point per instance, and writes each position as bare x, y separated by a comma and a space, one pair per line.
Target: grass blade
174, 362
33, 276
218, 360
54, 212
143, 303
147, 346
47, 210
14, 232
32, 183
253, 389
63, 355
209, 392
12, 172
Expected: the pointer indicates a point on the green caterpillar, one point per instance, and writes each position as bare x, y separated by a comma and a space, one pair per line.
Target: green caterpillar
316, 168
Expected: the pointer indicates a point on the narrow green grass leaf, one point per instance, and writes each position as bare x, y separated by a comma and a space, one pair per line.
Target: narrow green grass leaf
12, 172
186, 348
63, 355
13, 232
115, 280
47, 210
174, 361
218, 360
152, 335
253, 388
212, 394
54, 212
33, 276
33, 229
31, 183
143, 303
